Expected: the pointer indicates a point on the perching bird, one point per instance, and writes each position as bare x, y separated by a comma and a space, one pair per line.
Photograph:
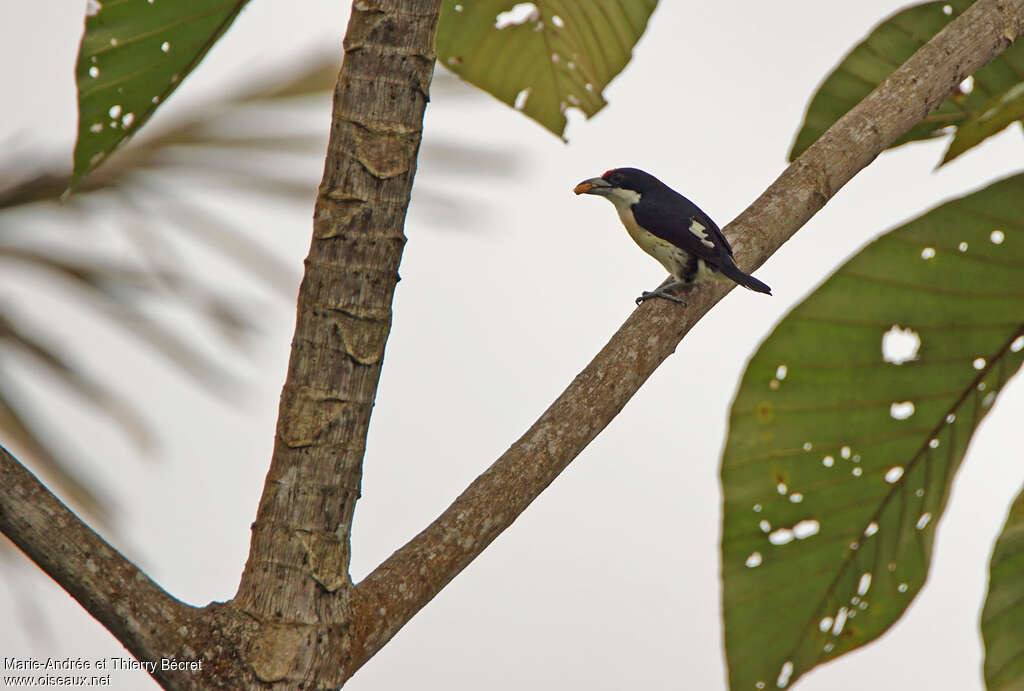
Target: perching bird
670, 228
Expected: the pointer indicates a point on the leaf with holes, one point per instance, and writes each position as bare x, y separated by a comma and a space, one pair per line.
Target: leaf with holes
133, 54
848, 428
542, 57
1002, 619
984, 105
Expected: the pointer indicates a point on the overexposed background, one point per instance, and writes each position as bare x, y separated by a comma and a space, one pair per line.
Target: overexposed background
510, 285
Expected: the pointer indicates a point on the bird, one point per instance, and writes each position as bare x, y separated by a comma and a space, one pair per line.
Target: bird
670, 228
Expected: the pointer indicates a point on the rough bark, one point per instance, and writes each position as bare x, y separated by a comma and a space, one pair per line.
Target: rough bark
296, 583
297, 620
145, 618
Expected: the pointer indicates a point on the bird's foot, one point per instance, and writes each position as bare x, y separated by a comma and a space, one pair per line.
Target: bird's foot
647, 295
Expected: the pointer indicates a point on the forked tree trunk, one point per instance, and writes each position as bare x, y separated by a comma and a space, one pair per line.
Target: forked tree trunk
297, 620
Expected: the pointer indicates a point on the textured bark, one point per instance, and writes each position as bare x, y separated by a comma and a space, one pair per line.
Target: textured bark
147, 620
296, 583
297, 620
413, 575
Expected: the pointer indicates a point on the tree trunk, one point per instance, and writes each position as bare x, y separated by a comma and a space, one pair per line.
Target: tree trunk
296, 583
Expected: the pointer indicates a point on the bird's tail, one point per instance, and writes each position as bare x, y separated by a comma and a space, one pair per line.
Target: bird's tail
744, 279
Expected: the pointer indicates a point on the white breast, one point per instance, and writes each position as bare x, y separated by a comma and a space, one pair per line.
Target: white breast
667, 254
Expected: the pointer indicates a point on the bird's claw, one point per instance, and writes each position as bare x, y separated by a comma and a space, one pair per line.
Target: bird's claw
648, 294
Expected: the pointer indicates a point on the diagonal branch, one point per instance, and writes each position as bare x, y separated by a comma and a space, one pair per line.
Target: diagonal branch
137, 611
413, 575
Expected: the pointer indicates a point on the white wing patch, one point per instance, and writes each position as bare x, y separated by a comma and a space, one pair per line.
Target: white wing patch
698, 231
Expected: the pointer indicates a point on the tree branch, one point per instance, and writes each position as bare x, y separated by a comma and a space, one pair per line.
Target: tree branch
413, 575
112, 589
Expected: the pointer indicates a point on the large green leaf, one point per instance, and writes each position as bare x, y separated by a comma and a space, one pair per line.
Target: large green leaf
1002, 620
994, 100
134, 53
542, 57
848, 428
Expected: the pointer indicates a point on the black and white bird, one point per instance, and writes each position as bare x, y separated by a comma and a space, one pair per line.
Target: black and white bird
670, 228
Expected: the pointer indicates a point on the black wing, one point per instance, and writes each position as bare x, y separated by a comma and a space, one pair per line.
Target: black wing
670, 216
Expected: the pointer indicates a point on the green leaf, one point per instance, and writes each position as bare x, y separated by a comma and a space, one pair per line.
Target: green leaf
995, 100
1000, 114
848, 428
133, 55
1002, 620
542, 57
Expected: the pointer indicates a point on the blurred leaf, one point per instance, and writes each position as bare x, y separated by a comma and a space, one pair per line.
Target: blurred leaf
133, 54
995, 100
211, 129
319, 74
212, 147
1002, 619
31, 617
542, 57
120, 290
848, 428
53, 465
113, 289
91, 391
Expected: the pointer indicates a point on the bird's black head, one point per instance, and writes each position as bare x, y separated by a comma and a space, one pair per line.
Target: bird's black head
631, 179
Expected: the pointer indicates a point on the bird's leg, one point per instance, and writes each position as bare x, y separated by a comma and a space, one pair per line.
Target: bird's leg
660, 293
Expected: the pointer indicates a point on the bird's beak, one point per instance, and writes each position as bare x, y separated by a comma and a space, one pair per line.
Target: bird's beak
593, 186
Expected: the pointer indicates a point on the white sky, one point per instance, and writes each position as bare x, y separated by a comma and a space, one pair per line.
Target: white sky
610, 580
